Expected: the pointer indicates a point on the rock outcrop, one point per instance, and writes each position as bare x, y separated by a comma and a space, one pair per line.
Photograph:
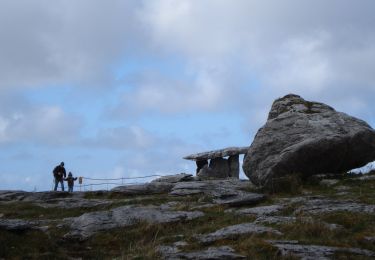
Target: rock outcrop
307, 138
90, 223
144, 189
212, 253
310, 252
223, 192
180, 217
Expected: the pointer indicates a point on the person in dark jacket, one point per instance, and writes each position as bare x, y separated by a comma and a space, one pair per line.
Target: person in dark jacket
59, 174
70, 181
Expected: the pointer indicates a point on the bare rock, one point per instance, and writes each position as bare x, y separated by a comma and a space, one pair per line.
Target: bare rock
69, 203
278, 220
328, 183
22, 225
234, 166
230, 151
17, 224
236, 231
261, 211
219, 167
225, 192
367, 177
370, 239
144, 189
212, 253
342, 188
307, 138
215, 188
90, 223
317, 206
241, 199
170, 250
175, 178
312, 252
9, 195
205, 173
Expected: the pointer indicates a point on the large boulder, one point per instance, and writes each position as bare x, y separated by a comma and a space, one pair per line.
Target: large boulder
307, 138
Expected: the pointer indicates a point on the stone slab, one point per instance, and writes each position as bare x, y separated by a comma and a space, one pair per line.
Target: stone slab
230, 151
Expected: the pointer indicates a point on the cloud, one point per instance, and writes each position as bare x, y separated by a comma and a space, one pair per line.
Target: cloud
123, 138
316, 49
64, 42
164, 94
47, 125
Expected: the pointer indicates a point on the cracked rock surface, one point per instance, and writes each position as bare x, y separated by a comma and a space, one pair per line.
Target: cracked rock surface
212, 253
88, 224
235, 231
307, 138
311, 252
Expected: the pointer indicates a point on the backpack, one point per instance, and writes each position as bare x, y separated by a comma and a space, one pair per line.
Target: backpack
56, 172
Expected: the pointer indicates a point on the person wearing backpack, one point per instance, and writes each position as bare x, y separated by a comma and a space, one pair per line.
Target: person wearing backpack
59, 174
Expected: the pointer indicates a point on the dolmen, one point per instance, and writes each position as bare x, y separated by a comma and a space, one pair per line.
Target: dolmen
214, 165
304, 138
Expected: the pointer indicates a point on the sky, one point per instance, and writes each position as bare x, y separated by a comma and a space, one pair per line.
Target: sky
126, 88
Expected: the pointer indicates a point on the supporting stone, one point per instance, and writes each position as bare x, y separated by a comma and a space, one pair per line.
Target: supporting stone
201, 164
234, 166
220, 167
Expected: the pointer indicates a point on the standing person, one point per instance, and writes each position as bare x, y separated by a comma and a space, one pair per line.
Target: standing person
59, 173
70, 181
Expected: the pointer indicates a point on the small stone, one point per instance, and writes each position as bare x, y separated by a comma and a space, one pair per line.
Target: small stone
275, 220
180, 243
327, 182
342, 188
261, 211
167, 250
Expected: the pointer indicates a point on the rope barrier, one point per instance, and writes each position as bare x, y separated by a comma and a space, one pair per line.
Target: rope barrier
110, 183
125, 178
122, 183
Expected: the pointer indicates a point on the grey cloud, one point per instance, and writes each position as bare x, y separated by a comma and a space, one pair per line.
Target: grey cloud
21, 121
165, 94
317, 49
123, 138
78, 42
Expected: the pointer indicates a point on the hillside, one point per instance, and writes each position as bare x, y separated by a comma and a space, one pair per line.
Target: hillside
181, 217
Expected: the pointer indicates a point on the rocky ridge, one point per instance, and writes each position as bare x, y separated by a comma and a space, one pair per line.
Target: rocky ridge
179, 217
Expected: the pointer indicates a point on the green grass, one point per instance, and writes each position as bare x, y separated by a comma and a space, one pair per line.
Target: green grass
27, 210
32, 244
